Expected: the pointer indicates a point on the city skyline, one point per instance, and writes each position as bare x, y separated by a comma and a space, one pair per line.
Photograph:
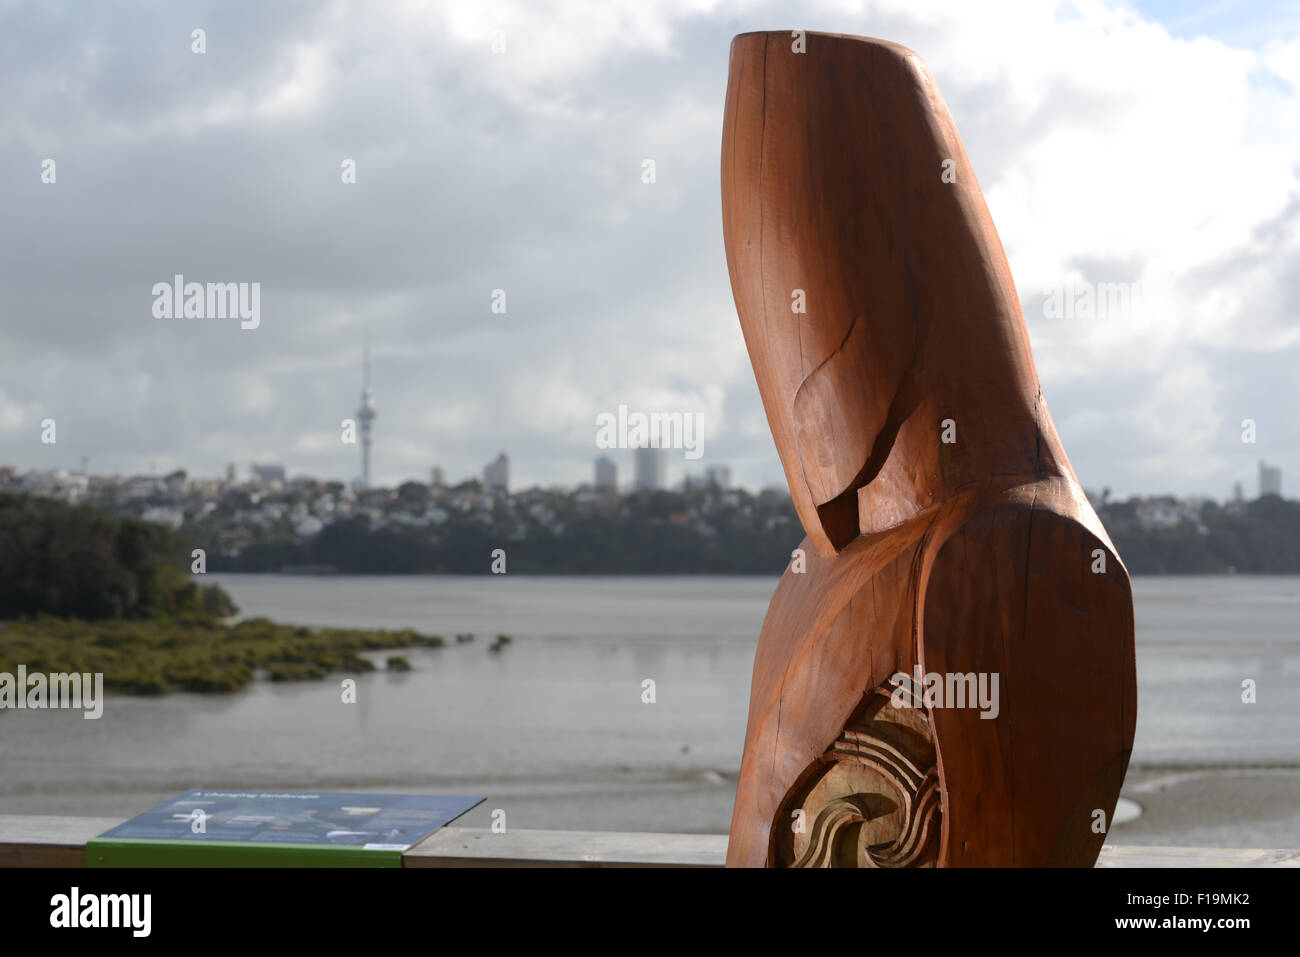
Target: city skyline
1269, 479
649, 465
490, 217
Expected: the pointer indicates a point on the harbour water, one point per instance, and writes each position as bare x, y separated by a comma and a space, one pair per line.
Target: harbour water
554, 729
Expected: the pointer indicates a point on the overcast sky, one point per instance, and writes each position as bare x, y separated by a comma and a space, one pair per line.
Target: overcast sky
1156, 144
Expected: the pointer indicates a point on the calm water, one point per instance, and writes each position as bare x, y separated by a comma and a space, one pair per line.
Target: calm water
554, 730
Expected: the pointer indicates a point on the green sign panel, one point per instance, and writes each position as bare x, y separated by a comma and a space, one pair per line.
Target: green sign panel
206, 828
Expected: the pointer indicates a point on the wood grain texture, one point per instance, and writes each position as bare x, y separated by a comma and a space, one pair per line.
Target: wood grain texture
946, 529
47, 840
480, 847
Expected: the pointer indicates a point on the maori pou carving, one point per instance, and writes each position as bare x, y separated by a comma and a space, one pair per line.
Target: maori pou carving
872, 798
948, 541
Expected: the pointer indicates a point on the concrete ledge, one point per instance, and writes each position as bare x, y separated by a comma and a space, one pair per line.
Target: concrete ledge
37, 841
1120, 855
479, 847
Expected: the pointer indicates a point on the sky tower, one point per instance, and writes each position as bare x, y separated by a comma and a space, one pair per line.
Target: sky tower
366, 414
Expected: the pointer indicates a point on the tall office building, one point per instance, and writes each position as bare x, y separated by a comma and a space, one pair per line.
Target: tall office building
606, 473
366, 416
1270, 480
651, 468
496, 474
266, 474
718, 475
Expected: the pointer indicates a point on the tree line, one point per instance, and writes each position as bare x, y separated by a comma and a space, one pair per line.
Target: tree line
81, 562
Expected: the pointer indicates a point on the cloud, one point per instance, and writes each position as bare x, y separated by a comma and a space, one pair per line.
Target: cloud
1111, 149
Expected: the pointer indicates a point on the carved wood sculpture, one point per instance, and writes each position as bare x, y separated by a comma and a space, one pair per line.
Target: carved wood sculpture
948, 539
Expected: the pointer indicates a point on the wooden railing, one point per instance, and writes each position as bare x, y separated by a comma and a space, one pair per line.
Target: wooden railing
32, 841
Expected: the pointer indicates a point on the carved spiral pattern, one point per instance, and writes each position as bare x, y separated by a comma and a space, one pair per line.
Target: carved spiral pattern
872, 800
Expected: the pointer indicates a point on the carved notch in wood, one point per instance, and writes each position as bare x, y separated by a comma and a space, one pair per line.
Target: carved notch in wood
872, 800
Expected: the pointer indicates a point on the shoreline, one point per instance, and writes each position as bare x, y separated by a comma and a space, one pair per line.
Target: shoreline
1217, 806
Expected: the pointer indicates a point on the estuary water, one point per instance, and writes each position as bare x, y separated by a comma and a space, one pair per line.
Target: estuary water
553, 728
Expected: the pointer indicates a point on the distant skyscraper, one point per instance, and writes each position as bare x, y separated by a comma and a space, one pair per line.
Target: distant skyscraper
1270, 480
496, 474
651, 468
606, 473
719, 475
266, 474
366, 415
436, 478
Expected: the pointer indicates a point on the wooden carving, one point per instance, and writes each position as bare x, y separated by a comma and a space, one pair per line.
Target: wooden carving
946, 673
872, 800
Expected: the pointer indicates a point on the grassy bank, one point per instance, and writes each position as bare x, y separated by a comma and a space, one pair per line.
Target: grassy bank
192, 653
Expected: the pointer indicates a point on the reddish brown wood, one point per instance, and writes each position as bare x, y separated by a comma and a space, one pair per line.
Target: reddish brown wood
979, 555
